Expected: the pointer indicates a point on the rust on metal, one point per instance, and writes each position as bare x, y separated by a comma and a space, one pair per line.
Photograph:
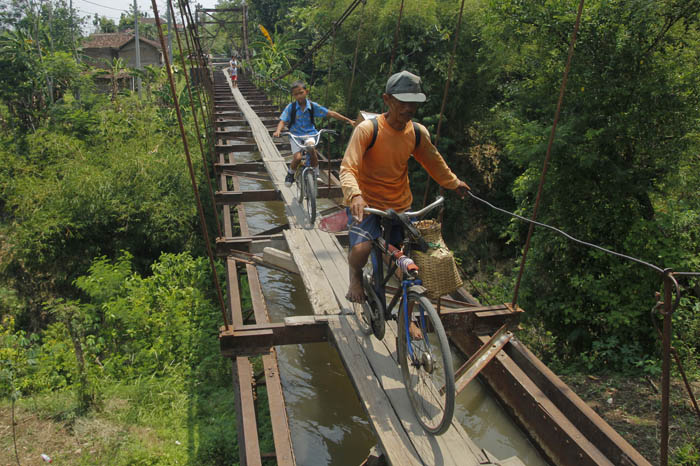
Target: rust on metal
481, 358
255, 339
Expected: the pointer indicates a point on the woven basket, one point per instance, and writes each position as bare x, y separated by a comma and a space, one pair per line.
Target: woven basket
438, 269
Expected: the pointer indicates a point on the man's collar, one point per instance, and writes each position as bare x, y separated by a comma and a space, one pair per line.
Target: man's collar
308, 105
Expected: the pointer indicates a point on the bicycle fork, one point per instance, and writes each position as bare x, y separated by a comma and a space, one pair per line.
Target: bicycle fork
405, 285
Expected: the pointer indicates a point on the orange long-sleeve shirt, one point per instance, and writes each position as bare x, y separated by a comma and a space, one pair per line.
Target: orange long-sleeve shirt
380, 174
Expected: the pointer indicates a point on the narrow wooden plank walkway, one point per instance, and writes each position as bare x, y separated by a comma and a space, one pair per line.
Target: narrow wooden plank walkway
370, 364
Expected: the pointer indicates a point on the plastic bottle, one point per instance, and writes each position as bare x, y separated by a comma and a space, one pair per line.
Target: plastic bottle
46, 457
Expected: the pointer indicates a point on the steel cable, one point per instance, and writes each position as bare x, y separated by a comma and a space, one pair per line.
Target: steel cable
547, 157
444, 101
322, 40
193, 179
563, 233
205, 162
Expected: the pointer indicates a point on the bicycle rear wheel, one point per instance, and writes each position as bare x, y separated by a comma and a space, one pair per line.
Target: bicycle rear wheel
429, 367
310, 194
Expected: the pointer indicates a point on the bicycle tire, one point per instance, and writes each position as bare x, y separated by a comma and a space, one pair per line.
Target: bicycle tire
299, 180
377, 319
310, 194
431, 368
363, 311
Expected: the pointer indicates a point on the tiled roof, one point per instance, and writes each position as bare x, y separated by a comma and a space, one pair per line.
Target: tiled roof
114, 40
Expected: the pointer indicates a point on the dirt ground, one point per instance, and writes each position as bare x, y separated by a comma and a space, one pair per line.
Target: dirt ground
632, 406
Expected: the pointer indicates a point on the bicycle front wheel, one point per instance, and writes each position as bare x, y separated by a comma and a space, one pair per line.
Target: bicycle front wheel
310, 194
426, 365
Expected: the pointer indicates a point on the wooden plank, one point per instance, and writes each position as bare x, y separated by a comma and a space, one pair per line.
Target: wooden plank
334, 265
319, 291
392, 438
271, 157
281, 259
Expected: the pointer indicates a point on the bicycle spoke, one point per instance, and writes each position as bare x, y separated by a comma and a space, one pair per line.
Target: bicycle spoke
428, 369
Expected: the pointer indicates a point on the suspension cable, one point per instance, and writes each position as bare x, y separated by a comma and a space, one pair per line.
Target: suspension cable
444, 101
533, 222
323, 39
396, 38
193, 179
205, 162
354, 65
549, 151
203, 103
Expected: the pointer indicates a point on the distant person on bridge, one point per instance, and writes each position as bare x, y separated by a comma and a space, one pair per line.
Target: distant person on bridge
374, 171
233, 67
299, 117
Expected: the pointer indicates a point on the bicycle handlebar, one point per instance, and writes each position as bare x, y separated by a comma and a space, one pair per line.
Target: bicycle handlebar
417, 214
310, 140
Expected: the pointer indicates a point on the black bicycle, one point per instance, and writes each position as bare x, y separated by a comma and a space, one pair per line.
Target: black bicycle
422, 347
305, 176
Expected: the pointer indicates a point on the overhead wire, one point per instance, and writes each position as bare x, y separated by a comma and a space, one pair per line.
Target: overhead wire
104, 6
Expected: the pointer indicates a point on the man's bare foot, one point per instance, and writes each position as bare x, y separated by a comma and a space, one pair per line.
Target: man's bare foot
415, 332
355, 292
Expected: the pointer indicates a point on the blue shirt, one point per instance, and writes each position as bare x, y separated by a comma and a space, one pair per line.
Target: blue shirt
302, 123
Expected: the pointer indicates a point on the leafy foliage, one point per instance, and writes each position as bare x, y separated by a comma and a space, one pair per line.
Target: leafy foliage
624, 126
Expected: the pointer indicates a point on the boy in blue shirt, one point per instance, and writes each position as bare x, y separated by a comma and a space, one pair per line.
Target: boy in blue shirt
301, 124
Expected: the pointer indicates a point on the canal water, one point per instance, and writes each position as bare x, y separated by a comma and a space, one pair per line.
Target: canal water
327, 421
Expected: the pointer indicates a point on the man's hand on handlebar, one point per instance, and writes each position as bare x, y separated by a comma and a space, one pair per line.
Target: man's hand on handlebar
357, 206
276, 134
462, 189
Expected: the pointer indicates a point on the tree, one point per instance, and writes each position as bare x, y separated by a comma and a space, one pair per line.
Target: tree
103, 24
629, 108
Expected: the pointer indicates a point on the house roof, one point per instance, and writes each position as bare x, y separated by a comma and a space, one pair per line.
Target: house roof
114, 40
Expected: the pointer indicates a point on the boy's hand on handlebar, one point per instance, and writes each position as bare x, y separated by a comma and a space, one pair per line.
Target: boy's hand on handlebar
276, 134
462, 189
357, 206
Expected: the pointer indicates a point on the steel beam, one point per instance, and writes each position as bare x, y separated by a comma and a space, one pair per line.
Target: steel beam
236, 197
258, 339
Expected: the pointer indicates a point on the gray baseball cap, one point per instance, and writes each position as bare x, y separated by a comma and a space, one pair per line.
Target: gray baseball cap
405, 86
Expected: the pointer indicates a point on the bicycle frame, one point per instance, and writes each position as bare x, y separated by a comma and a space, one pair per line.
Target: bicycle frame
380, 250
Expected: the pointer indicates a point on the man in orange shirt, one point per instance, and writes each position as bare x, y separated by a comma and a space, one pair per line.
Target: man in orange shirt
374, 171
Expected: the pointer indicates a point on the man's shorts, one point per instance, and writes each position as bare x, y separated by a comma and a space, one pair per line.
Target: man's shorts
370, 228
293, 143
295, 147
